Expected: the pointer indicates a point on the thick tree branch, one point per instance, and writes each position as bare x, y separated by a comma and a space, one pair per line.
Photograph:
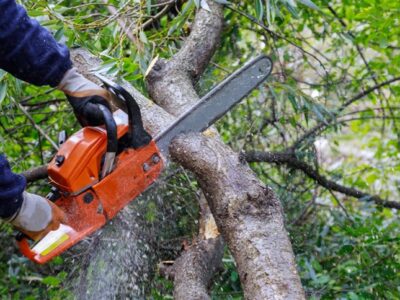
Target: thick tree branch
289, 159
168, 77
35, 174
171, 85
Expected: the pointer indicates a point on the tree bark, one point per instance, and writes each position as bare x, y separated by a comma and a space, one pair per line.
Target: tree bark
195, 268
108, 268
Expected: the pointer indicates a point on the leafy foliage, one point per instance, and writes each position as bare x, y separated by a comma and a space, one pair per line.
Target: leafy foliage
325, 54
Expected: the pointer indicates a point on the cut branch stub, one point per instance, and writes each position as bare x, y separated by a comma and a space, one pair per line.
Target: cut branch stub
195, 268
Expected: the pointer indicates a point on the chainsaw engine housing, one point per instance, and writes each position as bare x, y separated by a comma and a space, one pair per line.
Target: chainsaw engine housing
88, 196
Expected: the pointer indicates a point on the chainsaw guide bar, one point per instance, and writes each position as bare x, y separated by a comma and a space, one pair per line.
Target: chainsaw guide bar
99, 170
218, 101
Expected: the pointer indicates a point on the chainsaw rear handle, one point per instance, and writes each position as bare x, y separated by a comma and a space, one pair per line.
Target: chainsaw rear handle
138, 136
112, 140
24, 247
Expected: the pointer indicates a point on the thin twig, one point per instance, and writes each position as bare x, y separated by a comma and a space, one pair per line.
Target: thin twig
40, 130
331, 120
277, 35
289, 158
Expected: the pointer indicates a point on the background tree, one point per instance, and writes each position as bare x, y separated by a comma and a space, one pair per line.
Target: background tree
322, 132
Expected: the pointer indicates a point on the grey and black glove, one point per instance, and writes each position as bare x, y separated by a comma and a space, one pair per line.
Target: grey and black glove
37, 216
84, 96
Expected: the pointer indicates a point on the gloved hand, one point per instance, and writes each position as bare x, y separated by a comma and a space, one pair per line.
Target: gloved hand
37, 216
84, 95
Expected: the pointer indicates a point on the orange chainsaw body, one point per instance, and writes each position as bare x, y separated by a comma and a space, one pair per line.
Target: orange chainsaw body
88, 198
88, 201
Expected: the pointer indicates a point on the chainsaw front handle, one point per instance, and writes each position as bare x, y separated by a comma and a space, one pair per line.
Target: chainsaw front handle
138, 136
112, 141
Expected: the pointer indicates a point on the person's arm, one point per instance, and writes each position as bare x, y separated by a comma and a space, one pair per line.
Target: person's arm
29, 51
30, 213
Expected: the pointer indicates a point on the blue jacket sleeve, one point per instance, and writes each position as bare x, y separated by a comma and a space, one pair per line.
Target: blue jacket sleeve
29, 51
11, 188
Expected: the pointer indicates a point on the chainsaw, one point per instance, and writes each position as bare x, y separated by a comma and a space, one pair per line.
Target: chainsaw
99, 170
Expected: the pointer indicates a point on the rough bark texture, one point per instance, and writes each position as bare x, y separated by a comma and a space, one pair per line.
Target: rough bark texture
247, 213
195, 268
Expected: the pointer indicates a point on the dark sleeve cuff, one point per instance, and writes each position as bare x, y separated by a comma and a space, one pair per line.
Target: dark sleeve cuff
11, 189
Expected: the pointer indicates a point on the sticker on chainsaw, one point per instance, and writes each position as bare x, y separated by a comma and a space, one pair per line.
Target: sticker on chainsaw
52, 240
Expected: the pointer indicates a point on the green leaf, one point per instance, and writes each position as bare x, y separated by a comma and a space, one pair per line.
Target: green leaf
345, 249
319, 113
259, 9
292, 100
322, 279
272, 11
204, 5
383, 43
148, 6
58, 261
309, 3
316, 265
51, 280
143, 37
59, 34
2, 74
3, 91
234, 276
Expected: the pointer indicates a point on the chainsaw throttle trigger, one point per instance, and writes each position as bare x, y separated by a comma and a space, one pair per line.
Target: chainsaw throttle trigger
112, 141
138, 136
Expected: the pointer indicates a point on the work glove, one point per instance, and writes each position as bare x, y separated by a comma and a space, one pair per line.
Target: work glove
37, 216
84, 96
